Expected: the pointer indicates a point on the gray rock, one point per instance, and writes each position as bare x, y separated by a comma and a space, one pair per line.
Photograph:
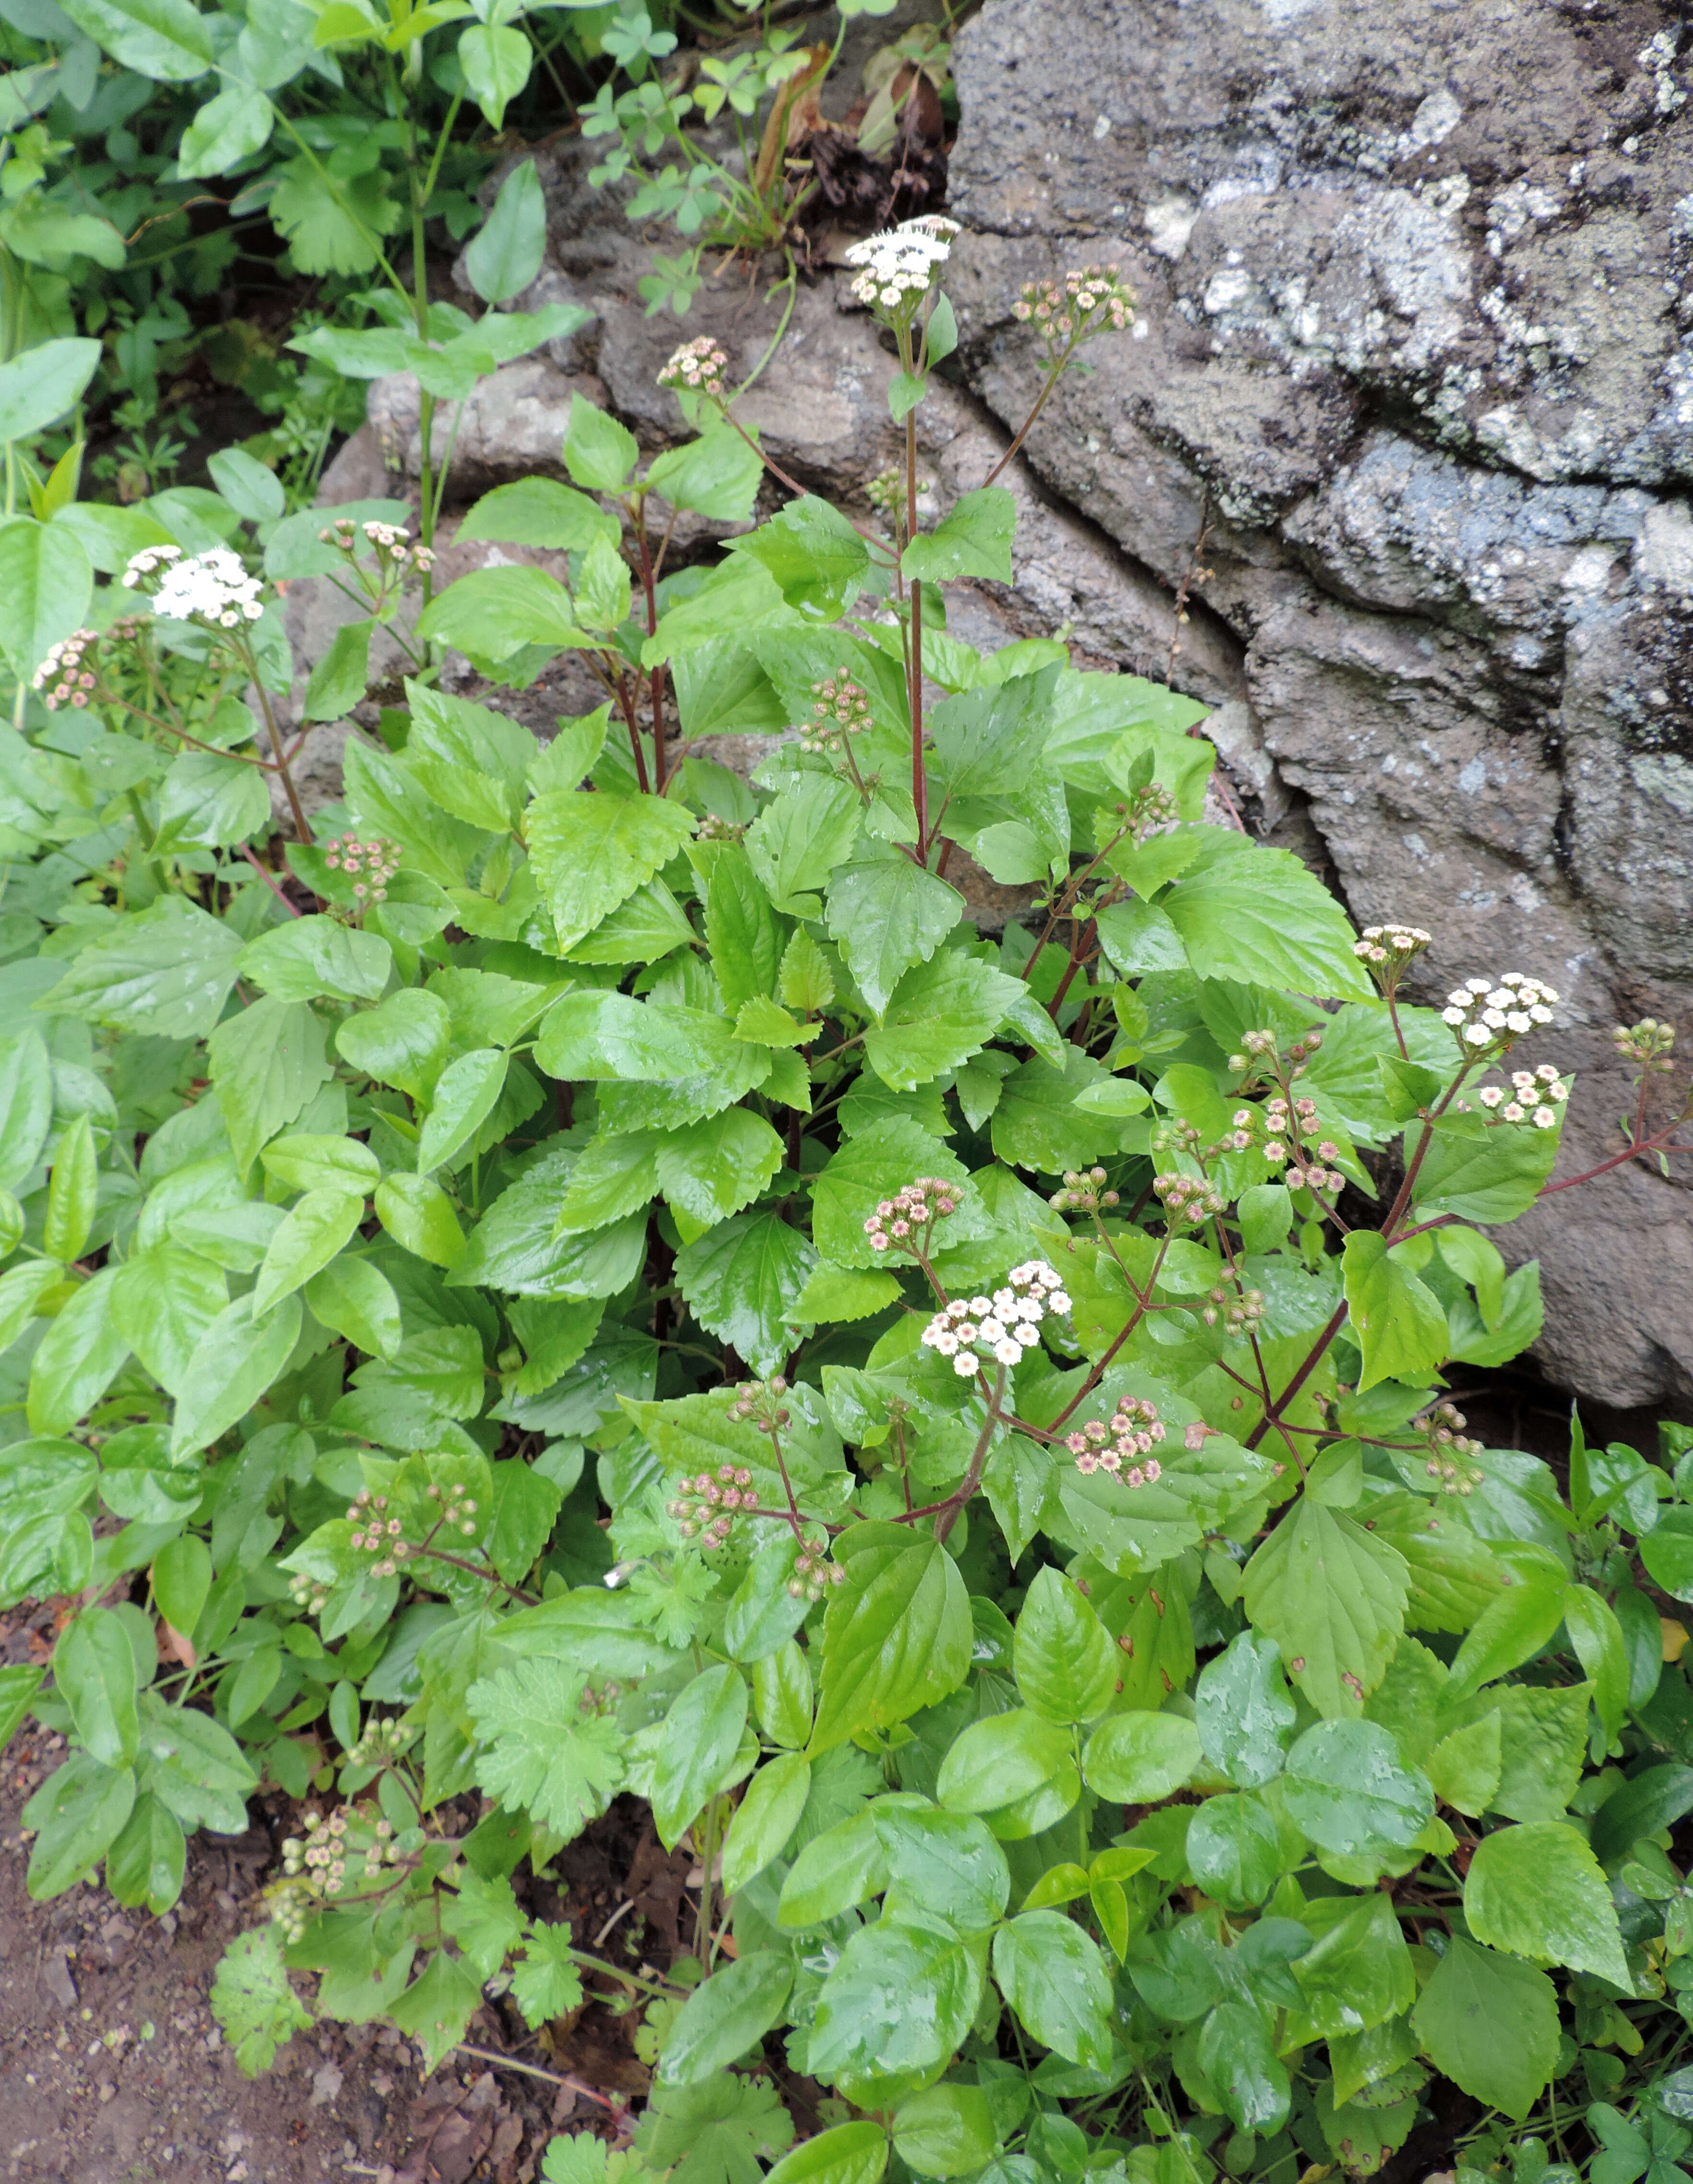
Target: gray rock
1412, 326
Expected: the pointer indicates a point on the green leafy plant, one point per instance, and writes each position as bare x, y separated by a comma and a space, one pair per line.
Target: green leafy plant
593, 1278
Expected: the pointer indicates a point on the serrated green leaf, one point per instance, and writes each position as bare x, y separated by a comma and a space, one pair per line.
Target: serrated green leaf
1333, 1597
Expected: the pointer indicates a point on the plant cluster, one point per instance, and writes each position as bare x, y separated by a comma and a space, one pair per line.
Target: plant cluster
592, 1277
154, 157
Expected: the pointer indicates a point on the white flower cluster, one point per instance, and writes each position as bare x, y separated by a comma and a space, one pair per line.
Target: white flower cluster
1480, 1011
213, 588
901, 262
1381, 943
1535, 1096
1002, 1326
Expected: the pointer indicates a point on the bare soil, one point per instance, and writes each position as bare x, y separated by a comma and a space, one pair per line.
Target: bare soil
113, 2070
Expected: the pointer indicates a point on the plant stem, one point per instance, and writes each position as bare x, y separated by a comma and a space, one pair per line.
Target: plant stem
1053, 378
533, 2070
701, 1925
919, 785
1659, 1144
269, 881
277, 750
947, 1515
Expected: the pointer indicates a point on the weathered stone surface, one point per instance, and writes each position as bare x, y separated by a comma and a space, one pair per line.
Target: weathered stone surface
1413, 331
1413, 348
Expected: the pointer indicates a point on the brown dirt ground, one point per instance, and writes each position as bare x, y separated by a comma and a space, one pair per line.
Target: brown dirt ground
112, 2070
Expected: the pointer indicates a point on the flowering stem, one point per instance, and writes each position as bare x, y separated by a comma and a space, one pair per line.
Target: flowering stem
945, 1513
920, 786
278, 752
1272, 1415
268, 880
1396, 1212
878, 547
534, 2070
1053, 377
1659, 1144
1141, 1308
794, 1516
1083, 941
489, 1576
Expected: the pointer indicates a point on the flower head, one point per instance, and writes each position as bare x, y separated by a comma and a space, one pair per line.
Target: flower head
697, 367
1122, 1444
972, 1330
898, 267
370, 864
1388, 951
707, 1506
904, 1222
65, 677
391, 542
1093, 300
1649, 1043
1082, 1192
1533, 1096
1492, 1014
212, 588
842, 710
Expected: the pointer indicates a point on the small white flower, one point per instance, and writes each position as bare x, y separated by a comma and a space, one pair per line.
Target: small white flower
1539, 1014
1490, 1096
1477, 985
1476, 1034
1512, 1111
1518, 1020
1452, 1016
1494, 1019
964, 1365
1009, 1351
1059, 1301
1545, 1117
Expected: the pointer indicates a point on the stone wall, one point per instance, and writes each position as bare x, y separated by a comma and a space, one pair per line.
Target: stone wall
1411, 348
